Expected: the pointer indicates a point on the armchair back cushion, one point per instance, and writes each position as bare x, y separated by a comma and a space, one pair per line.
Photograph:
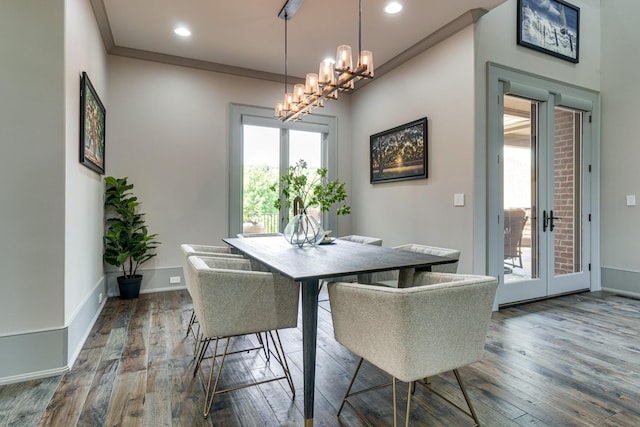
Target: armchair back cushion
362, 239
392, 278
189, 249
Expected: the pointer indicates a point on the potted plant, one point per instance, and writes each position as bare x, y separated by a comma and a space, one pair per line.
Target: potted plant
301, 190
127, 242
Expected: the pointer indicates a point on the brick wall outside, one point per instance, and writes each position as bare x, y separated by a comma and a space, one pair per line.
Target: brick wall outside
566, 255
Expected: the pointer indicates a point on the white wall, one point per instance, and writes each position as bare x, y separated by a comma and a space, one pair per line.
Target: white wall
84, 271
50, 205
31, 165
496, 36
438, 84
167, 130
31, 186
620, 241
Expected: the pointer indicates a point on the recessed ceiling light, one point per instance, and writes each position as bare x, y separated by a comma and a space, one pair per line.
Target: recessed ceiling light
182, 31
393, 7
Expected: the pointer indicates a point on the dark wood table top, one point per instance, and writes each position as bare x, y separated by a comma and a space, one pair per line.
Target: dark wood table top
339, 258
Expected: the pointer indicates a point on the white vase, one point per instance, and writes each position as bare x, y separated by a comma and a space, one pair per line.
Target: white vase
303, 230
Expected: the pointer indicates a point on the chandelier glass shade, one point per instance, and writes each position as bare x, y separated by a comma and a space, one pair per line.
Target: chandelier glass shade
332, 78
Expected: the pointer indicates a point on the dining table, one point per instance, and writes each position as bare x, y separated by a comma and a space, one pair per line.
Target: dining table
311, 263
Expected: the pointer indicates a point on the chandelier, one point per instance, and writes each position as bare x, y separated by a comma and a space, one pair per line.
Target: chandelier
332, 78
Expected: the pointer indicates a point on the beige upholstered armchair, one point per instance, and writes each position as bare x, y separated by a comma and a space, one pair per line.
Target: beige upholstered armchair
249, 235
205, 251
391, 278
365, 240
437, 325
229, 300
200, 250
362, 239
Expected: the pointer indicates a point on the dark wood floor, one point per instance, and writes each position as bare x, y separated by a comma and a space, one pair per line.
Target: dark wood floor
570, 361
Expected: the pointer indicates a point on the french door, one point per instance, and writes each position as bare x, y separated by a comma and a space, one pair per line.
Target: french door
540, 242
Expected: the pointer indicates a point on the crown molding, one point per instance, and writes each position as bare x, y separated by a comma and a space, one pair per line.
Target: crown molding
468, 18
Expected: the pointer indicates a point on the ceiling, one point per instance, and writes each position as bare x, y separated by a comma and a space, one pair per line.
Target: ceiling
246, 37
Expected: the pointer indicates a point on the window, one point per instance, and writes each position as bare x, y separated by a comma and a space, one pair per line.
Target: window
261, 149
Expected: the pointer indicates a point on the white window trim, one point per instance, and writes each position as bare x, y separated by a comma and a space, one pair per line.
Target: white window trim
260, 116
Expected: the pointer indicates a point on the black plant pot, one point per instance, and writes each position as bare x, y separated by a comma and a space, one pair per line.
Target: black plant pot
130, 287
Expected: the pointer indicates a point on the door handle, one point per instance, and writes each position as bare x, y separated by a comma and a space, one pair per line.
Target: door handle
552, 220
549, 221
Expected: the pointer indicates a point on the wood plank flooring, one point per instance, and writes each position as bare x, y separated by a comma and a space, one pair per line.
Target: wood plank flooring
569, 361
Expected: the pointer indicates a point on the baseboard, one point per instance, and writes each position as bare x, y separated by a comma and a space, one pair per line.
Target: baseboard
167, 289
622, 282
82, 321
30, 355
635, 295
153, 280
33, 354
34, 375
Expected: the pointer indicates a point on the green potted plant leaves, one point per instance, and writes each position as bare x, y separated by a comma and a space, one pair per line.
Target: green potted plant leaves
301, 189
127, 242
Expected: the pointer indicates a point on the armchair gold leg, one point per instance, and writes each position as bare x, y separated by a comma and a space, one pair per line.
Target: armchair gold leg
202, 349
466, 398
212, 390
411, 384
282, 359
353, 379
395, 403
395, 412
191, 322
349, 393
410, 391
211, 394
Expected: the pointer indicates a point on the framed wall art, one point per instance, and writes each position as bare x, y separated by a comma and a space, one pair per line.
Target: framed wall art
399, 153
92, 127
550, 26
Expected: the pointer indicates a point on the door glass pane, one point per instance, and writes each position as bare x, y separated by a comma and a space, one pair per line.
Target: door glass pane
567, 190
307, 146
260, 159
521, 247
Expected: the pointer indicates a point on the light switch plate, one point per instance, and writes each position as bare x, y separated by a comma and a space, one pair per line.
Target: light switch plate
458, 199
631, 200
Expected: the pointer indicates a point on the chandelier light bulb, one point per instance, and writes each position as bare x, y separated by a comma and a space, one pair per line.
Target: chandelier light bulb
279, 110
288, 101
311, 84
298, 93
326, 76
343, 58
366, 60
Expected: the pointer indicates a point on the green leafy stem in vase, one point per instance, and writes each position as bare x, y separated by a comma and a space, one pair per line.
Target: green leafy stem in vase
312, 190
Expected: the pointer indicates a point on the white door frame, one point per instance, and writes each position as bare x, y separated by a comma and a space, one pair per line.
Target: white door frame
559, 93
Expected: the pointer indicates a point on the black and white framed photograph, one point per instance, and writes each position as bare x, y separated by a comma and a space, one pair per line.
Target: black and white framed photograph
399, 153
550, 26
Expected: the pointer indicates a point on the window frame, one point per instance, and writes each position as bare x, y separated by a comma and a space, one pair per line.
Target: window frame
259, 116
